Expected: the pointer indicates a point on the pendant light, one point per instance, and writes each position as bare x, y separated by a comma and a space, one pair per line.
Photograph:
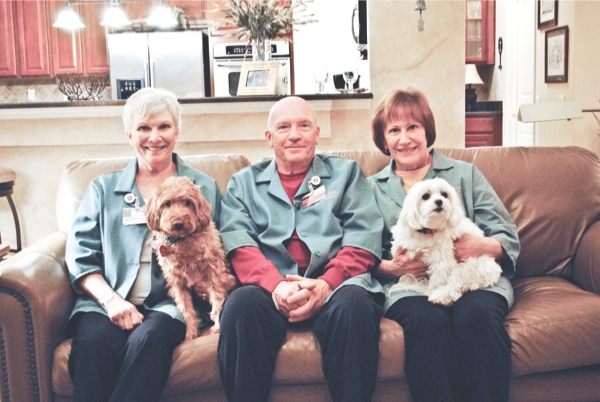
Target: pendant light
68, 19
114, 16
162, 17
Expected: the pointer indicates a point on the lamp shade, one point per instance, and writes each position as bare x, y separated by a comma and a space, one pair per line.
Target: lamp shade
68, 19
471, 75
115, 17
162, 17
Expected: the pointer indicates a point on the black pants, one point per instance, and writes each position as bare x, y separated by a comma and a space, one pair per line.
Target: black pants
108, 363
252, 332
460, 353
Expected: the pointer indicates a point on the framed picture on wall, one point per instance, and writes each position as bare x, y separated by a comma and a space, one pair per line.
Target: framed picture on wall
547, 13
556, 65
258, 78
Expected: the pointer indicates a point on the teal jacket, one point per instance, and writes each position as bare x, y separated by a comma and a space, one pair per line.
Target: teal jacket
480, 201
257, 212
100, 242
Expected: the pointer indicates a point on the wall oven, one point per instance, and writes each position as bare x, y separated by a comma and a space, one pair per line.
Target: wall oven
228, 59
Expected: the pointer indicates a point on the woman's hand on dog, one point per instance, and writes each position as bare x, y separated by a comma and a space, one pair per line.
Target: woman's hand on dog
401, 265
469, 246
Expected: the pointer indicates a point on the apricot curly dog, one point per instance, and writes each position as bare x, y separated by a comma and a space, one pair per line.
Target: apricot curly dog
188, 248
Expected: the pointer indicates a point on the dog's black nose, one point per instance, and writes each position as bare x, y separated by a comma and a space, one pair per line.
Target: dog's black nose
178, 226
439, 203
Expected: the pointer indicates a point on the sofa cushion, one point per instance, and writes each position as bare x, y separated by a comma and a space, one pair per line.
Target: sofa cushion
554, 325
195, 367
77, 175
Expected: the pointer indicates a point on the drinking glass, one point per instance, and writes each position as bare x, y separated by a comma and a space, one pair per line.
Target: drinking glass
321, 75
350, 76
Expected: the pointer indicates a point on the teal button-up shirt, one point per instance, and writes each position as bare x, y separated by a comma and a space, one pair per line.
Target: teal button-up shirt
257, 212
480, 201
100, 242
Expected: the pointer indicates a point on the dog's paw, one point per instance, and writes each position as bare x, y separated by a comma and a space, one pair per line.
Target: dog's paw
191, 333
443, 296
215, 329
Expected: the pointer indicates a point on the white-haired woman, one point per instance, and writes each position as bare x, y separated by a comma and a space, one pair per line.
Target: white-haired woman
125, 325
462, 352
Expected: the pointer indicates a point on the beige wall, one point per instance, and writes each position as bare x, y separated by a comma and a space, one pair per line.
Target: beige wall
401, 57
583, 77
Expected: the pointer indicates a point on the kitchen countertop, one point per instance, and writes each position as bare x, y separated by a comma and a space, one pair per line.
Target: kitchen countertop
486, 109
238, 104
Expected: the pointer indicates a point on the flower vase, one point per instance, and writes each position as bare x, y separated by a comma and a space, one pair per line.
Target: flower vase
261, 49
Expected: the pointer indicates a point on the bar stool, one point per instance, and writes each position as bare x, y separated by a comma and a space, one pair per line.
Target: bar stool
7, 183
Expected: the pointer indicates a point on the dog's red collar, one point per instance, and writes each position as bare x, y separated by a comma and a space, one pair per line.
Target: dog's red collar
164, 248
427, 231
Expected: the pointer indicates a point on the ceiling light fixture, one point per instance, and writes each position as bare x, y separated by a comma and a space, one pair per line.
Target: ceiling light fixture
162, 16
68, 19
114, 16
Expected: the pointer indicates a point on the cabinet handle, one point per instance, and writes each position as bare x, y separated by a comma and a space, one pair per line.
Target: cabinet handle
500, 52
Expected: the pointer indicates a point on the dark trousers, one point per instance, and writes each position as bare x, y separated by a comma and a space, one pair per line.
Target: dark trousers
461, 353
252, 332
108, 363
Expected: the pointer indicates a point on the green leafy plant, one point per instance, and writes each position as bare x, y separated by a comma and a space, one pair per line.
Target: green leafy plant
265, 19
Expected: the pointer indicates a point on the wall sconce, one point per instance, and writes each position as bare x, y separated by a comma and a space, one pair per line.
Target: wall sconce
421, 7
114, 16
565, 110
471, 77
68, 19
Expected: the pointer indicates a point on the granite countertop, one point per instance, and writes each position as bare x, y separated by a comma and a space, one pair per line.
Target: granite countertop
221, 100
486, 108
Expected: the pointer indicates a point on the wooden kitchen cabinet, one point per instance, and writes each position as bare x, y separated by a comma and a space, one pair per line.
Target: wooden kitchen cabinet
483, 129
24, 31
80, 52
480, 38
8, 50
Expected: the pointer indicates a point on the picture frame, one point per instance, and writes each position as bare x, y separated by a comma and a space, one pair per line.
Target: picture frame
556, 63
547, 13
258, 78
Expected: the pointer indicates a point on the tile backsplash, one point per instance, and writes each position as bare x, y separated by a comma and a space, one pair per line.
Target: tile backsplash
14, 92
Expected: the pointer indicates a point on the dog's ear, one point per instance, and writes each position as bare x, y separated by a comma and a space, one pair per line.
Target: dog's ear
152, 210
203, 209
410, 211
457, 213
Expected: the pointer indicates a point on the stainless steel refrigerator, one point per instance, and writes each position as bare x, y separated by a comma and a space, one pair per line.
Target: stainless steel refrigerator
176, 61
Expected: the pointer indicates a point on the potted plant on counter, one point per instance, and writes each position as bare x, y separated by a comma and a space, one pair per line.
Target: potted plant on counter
263, 21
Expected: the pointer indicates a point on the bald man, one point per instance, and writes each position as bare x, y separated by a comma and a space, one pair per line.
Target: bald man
302, 232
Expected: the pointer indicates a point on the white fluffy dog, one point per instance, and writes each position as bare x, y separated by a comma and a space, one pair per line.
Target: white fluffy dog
431, 219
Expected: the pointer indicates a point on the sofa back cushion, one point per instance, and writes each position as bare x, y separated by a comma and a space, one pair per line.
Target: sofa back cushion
77, 175
552, 193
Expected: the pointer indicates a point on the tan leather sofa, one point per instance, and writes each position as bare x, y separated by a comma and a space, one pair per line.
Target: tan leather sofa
552, 193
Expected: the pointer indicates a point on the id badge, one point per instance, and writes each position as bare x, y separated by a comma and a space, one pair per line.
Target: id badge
314, 197
133, 216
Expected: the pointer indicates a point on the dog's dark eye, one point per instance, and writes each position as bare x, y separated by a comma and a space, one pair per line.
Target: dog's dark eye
168, 203
444, 194
188, 203
426, 196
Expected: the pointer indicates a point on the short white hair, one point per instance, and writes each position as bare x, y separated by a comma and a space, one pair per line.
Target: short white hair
150, 101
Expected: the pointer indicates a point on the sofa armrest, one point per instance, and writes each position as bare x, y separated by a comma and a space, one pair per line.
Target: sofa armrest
35, 302
586, 263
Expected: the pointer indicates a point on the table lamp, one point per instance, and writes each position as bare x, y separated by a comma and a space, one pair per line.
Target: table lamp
471, 77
